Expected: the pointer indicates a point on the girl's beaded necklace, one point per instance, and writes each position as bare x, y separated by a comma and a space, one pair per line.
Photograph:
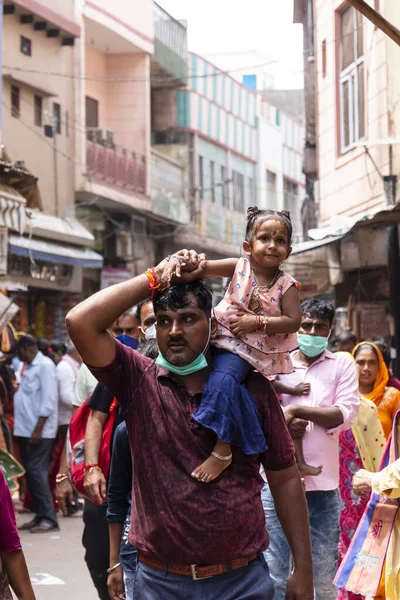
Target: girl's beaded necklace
266, 288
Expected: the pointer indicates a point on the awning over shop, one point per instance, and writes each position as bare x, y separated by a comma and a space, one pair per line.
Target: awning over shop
47, 251
12, 208
66, 229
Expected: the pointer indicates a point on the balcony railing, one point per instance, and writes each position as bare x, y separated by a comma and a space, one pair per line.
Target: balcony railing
116, 166
170, 47
167, 188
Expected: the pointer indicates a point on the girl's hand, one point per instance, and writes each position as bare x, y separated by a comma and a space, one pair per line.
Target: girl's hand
243, 323
184, 261
302, 389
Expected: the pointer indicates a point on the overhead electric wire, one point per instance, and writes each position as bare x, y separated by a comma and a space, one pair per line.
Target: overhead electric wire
219, 72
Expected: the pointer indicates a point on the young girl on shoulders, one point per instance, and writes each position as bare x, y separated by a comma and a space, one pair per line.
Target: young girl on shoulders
257, 322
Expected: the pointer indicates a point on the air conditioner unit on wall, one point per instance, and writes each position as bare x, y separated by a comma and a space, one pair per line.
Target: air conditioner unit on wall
139, 237
105, 137
124, 245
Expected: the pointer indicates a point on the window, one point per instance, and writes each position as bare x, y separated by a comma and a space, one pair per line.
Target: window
26, 46
212, 181
57, 117
351, 80
324, 58
238, 191
15, 112
278, 118
224, 183
252, 192
271, 190
66, 123
38, 111
201, 177
92, 113
291, 203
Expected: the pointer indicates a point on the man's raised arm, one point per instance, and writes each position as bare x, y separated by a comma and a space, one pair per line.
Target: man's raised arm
87, 323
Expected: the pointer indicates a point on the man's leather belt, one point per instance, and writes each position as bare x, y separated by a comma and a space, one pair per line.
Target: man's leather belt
198, 571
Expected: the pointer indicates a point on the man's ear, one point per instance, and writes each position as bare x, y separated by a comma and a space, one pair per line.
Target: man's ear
142, 333
214, 328
246, 247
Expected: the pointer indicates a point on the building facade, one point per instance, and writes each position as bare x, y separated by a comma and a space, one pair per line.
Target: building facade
211, 127
48, 249
354, 253
280, 180
355, 66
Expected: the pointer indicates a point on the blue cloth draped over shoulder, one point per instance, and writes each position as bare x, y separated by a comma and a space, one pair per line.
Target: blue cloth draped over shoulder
228, 408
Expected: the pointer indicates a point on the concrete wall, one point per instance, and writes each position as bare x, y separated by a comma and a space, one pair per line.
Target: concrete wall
392, 12
24, 140
349, 183
270, 158
128, 102
132, 21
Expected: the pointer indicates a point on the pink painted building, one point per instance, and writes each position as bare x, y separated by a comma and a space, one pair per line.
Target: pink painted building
127, 193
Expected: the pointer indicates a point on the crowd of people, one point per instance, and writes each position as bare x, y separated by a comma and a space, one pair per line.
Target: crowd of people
242, 450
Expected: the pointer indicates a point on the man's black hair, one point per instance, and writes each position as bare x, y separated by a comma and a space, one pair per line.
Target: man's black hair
27, 341
347, 337
150, 349
59, 347
318, 309
256, 217
385, 349
139, 309
177, 297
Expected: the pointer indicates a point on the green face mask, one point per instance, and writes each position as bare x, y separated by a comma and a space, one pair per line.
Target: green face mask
312, 345
198, 364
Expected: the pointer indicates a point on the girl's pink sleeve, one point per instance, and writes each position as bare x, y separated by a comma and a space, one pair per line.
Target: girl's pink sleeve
9, 538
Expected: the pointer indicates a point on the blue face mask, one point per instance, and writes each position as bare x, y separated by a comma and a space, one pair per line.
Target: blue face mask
312, 345
127, 340
198, 364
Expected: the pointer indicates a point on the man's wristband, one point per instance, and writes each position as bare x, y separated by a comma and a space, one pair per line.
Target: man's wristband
111, 569
60, 477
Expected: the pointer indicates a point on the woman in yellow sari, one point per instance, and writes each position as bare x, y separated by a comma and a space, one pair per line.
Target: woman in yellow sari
374, 377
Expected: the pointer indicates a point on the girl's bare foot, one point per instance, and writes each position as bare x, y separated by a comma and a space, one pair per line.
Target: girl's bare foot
212, 468
306, 470
218, 461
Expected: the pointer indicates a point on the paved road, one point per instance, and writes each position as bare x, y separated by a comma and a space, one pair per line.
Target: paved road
56, 564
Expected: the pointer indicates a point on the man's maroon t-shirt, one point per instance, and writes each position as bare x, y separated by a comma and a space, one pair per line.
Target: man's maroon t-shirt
175, 518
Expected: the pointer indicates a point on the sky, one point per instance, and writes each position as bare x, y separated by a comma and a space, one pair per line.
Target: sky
237, 28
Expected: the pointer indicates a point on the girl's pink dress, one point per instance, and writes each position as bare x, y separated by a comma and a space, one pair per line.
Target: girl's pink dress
271, 354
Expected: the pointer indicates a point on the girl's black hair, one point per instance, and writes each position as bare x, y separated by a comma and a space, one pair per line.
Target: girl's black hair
254, 214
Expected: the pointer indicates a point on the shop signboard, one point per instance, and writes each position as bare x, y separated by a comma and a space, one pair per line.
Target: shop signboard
113, 275
3, 250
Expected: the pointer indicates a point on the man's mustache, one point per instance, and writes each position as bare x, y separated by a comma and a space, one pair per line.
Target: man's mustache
175, 341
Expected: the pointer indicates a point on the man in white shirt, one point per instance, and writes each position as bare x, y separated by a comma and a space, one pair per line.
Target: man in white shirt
67, 373
35, 427
84, 386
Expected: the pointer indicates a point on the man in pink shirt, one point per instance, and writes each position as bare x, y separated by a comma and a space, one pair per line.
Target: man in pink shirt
329, 409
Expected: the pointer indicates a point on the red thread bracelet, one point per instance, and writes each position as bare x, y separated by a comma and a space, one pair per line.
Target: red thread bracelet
87, 467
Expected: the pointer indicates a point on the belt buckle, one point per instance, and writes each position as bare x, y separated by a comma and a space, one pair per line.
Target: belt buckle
194, 574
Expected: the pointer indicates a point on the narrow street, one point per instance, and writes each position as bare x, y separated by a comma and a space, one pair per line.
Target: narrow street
56, 563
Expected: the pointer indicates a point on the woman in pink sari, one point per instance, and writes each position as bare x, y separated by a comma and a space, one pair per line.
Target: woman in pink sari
359, 446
